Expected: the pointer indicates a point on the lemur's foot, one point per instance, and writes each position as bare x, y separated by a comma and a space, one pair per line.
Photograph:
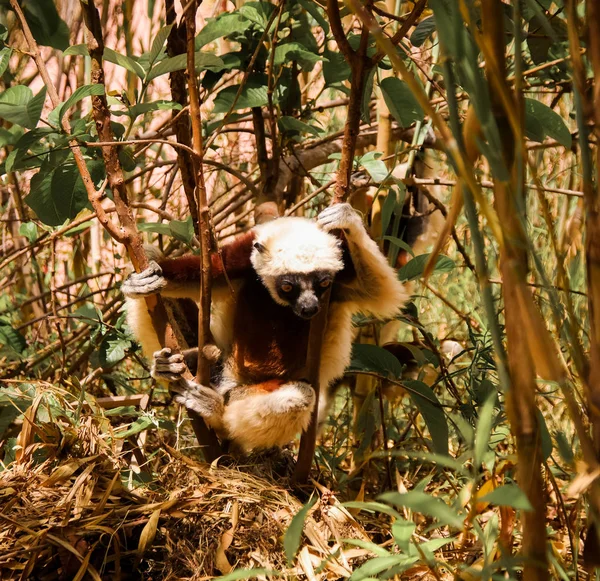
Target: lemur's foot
340, 217
167, 367
211, 352
205, 401
141, 284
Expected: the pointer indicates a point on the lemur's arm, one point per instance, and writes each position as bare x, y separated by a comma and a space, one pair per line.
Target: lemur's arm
180, 277
369, 281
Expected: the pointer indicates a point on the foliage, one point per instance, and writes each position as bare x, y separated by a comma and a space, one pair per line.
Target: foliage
425, 446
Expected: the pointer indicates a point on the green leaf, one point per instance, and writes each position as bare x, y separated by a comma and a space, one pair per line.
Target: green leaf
47, 27
375, 167
400, 244
157, 227
203, 61
414, 268
508, 495
113, 349
77, 50
400, 101
58, 194
136, 427
124, 61
540, 121
423, 503
29, 230
335, 68
379, 564
142, 108
18, 105
313, 9
222, 25
5, 54
294, 51
290, 124
423, 31
545, 437
183, 230
158, 43
374, 359
365, 113
402, 531
430, 408
293, 534
78, 95
484, 429
258, 12
12, 338
251, 96
373, 507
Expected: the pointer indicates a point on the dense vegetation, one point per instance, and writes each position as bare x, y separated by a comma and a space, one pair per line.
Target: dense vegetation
181, 125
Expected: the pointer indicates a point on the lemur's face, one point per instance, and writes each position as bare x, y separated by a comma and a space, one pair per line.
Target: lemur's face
303, 292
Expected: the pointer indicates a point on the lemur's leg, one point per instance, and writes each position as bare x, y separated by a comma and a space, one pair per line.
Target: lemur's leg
257, 418
203, 400
376, 287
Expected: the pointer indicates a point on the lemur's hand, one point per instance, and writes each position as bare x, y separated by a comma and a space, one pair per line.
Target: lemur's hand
340, 217
203, 400
142, 284
167, 367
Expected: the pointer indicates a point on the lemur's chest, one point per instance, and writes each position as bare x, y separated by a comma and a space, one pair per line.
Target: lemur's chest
269, 340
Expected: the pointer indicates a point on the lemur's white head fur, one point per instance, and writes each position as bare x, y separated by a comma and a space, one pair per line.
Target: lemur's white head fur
294, 245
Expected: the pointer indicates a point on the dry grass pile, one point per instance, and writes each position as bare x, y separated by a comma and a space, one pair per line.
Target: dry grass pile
72, 515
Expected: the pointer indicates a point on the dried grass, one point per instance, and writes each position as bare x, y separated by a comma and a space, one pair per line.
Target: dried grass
72, 517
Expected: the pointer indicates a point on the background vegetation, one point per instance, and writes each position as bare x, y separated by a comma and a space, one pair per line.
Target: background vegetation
180, 125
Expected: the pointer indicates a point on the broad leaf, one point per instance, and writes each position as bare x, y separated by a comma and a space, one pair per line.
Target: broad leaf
58, 194
508, 495
374, 359
142, 108
78, 95
203, 61
5, 54
294, 51
423, 503
430, 408
335, 68
12, 338
541, 121
290, 124
251, 96
158, 43
19, 105
113, 349
414, 268
222, 25
124, 61
400, 101
47, 27
423, 31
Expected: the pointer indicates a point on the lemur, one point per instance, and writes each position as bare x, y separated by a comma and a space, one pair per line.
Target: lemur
278, 272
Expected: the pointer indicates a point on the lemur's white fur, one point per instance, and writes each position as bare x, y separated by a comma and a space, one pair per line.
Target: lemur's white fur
292, 245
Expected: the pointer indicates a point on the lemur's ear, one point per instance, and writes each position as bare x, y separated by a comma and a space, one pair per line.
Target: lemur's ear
259, 247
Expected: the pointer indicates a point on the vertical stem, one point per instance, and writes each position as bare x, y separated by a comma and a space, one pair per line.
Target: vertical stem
521, 405
359, 64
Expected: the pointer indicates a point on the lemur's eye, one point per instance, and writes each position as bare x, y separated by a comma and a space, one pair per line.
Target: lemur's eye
286, 287
259, 246
325, 283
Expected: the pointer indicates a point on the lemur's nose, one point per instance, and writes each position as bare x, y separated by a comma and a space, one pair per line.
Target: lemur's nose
309, 311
